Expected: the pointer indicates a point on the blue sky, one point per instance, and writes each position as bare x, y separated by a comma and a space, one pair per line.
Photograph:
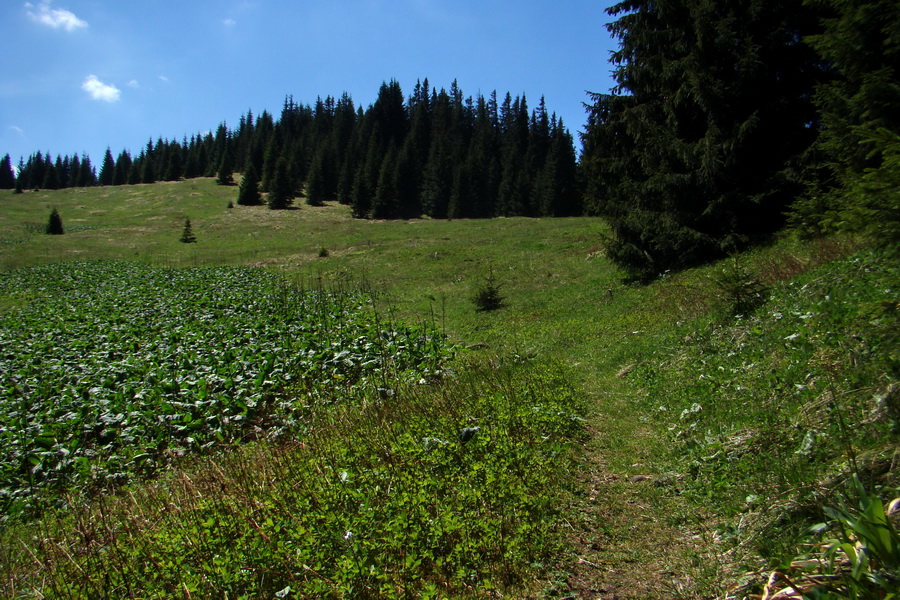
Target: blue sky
81, 75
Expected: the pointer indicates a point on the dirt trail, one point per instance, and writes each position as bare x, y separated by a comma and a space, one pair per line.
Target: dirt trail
634, 538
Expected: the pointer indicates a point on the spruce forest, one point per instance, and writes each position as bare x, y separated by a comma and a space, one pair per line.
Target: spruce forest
435, 153
670, 370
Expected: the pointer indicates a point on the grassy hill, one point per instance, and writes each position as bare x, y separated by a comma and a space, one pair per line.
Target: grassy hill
704, 443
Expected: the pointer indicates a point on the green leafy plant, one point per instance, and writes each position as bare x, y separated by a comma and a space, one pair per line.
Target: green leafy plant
150, 364
857, 553
864, 553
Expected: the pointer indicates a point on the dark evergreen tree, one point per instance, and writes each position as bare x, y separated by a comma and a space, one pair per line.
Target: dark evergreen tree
107, 169
134, 172
196, 162
437, 181
861, 43
173, 170
700, 148
316, 186
274, 152
226, 168
7, 177
389, 116
365, 182
148, 170
122, 168
385, 203
249, 195
407, 182
187, 234
859, 105
51, 176
243, 139
55, 224
281, 190
86, 175
74, 171
555, 188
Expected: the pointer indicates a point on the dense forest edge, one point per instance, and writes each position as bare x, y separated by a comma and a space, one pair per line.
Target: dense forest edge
436, 153
711, 338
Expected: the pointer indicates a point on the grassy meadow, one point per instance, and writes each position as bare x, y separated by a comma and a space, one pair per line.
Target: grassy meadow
590, 438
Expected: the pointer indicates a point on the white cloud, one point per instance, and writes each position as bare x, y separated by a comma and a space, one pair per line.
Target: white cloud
99, 90
133, 84
229, 22
164, 79
17, 129
57, 18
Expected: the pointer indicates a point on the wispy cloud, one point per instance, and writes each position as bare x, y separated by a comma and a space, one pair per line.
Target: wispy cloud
134, 84
17, 129
229, 22
99, 90
164, 79
57, 18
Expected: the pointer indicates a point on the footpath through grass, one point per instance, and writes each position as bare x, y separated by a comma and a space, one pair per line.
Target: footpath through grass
706, 434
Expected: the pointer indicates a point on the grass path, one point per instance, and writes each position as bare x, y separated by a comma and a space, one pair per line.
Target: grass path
630, 537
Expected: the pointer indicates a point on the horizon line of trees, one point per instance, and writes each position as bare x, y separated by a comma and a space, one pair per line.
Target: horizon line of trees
437, 153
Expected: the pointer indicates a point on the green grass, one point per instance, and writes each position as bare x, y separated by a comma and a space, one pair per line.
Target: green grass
729, 484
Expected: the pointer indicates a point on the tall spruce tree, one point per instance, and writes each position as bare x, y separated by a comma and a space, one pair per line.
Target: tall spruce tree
51, 177
225, 174
107, 169
281, 190
248, 194
74, 170
861, 42
7, 177
860, 138
700, 147
173, 163
148, 170
122, 169
86, 175
316, 185
385, 203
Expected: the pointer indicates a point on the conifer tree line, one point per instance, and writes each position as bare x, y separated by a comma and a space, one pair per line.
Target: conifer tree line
437, 153
731, 116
